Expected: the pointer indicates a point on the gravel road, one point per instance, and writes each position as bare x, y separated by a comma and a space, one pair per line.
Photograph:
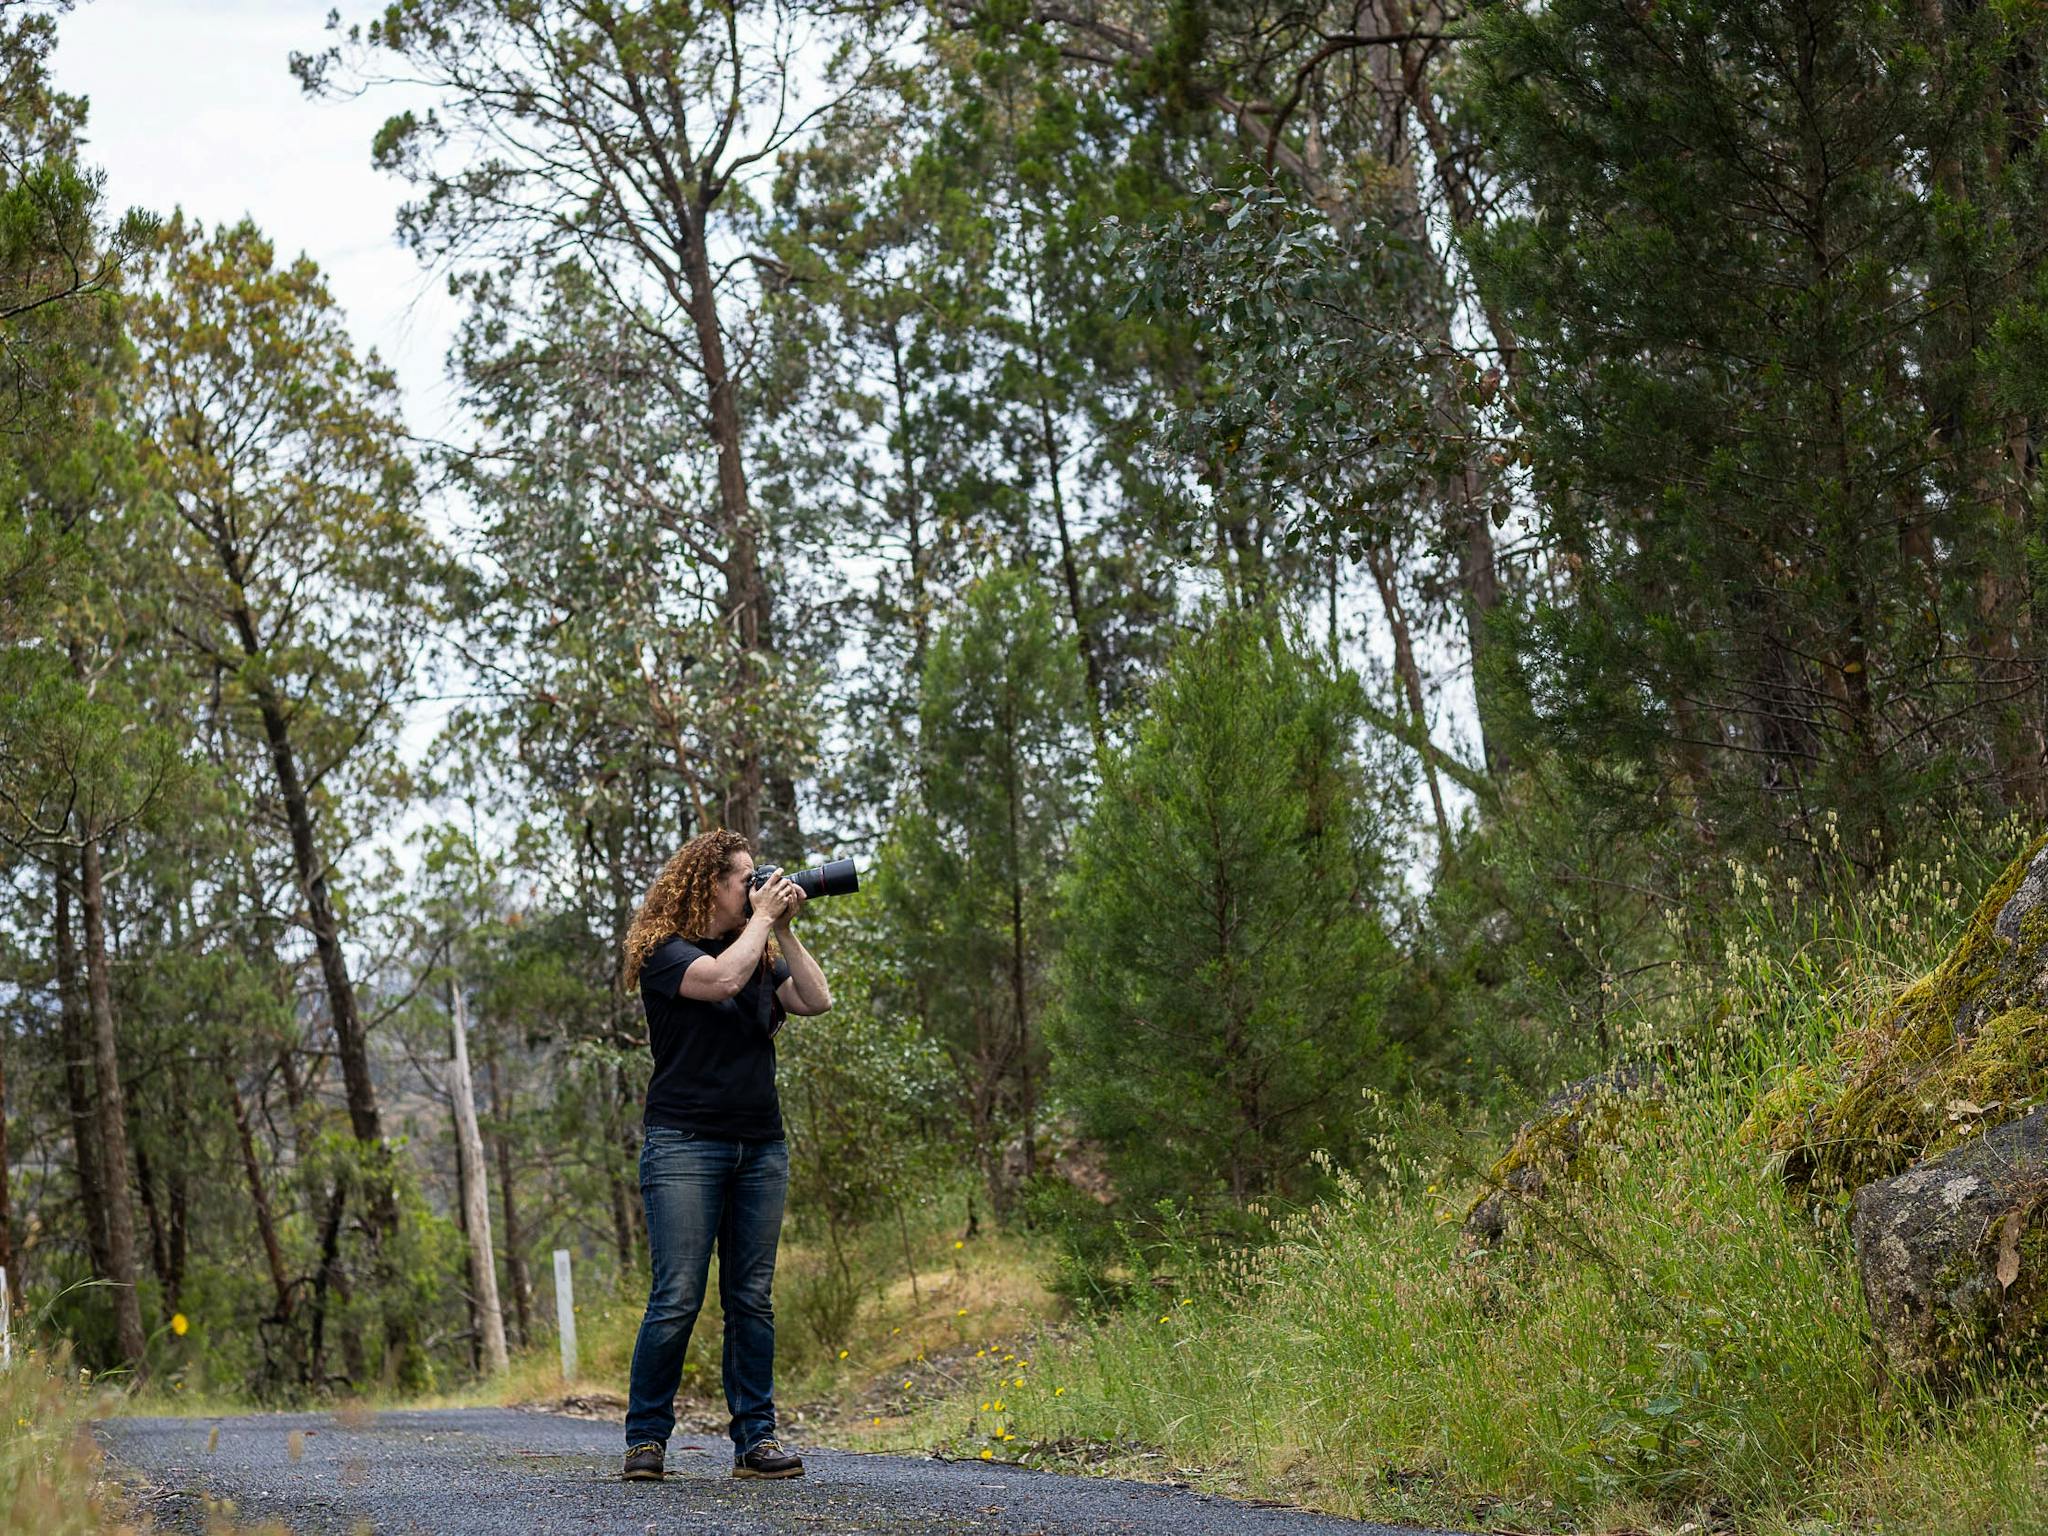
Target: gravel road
476, 1470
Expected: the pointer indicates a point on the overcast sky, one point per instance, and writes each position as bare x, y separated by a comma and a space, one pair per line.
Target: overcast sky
193, 106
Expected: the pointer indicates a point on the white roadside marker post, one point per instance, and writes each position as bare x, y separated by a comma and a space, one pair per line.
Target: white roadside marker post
6, 1323
565, 1313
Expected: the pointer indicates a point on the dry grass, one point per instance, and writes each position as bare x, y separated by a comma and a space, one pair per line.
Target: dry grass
52, 1480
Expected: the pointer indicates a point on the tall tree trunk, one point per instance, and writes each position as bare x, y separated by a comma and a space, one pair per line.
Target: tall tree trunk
476, 1203
1027, 1097
1479, 595
350, 1036
351, 1043
1049, 445
1384, 578
259, 1198
8, 1264
912, 510
75, 1038
326, 1279
113, 1109
747, 602
159, 1236
515, 1254
629, 1154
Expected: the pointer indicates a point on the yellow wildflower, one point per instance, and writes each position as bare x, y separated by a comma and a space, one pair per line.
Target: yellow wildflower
178, 1324
842, 1354
987, 1454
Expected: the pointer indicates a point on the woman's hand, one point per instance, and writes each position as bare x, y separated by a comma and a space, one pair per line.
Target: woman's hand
797, 898
777, 899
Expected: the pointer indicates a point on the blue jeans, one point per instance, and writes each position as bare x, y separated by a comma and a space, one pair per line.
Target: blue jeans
698, 1190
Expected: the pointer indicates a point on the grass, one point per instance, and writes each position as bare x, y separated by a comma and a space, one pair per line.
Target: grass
1674, 1342
1680, 1346
51, 1479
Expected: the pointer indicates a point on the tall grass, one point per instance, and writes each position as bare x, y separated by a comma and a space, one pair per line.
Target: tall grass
1673, 1338
51, 1479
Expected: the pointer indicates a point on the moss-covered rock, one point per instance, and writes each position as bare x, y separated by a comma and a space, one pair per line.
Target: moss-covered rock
1556, 1145
1961, 1049
1954, 1254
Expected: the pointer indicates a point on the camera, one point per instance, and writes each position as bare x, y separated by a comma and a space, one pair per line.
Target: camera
838, 878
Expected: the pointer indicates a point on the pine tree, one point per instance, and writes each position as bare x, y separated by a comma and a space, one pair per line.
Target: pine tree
967, 876
1224, 964
1786, 594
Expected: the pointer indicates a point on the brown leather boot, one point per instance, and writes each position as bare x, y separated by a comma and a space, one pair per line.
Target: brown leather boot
768, 1459
643, 1464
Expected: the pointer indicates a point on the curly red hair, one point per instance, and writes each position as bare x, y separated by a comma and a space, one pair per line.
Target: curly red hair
680, 901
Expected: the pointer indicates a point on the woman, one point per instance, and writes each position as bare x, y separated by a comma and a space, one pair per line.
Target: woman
717, 975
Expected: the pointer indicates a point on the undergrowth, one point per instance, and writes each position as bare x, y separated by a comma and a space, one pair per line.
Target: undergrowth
1672, 1339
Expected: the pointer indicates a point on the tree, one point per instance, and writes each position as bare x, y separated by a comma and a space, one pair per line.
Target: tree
967, 875
619, 136
1224, 965
298, 578
1356, 116
78, 772
72, 771
1786, 502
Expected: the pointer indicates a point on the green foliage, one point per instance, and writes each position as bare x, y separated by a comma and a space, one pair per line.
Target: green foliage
1762, 439
1670, 1339
966, 878
1225, 965
1324, 378
866, 1098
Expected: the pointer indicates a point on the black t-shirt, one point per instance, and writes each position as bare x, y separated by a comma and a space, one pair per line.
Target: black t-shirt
714, 1062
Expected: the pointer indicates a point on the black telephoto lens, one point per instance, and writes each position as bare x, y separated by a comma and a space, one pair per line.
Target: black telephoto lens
838, 878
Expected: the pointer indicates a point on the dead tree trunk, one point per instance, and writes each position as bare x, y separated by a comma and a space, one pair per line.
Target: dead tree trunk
476, 1204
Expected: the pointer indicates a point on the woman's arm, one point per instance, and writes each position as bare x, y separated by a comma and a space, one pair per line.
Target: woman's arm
805, 992
713, 978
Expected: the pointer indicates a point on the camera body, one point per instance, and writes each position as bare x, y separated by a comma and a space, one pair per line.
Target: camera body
838, 878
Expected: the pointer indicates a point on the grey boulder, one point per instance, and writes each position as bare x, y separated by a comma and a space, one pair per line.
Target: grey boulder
1954, 1254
